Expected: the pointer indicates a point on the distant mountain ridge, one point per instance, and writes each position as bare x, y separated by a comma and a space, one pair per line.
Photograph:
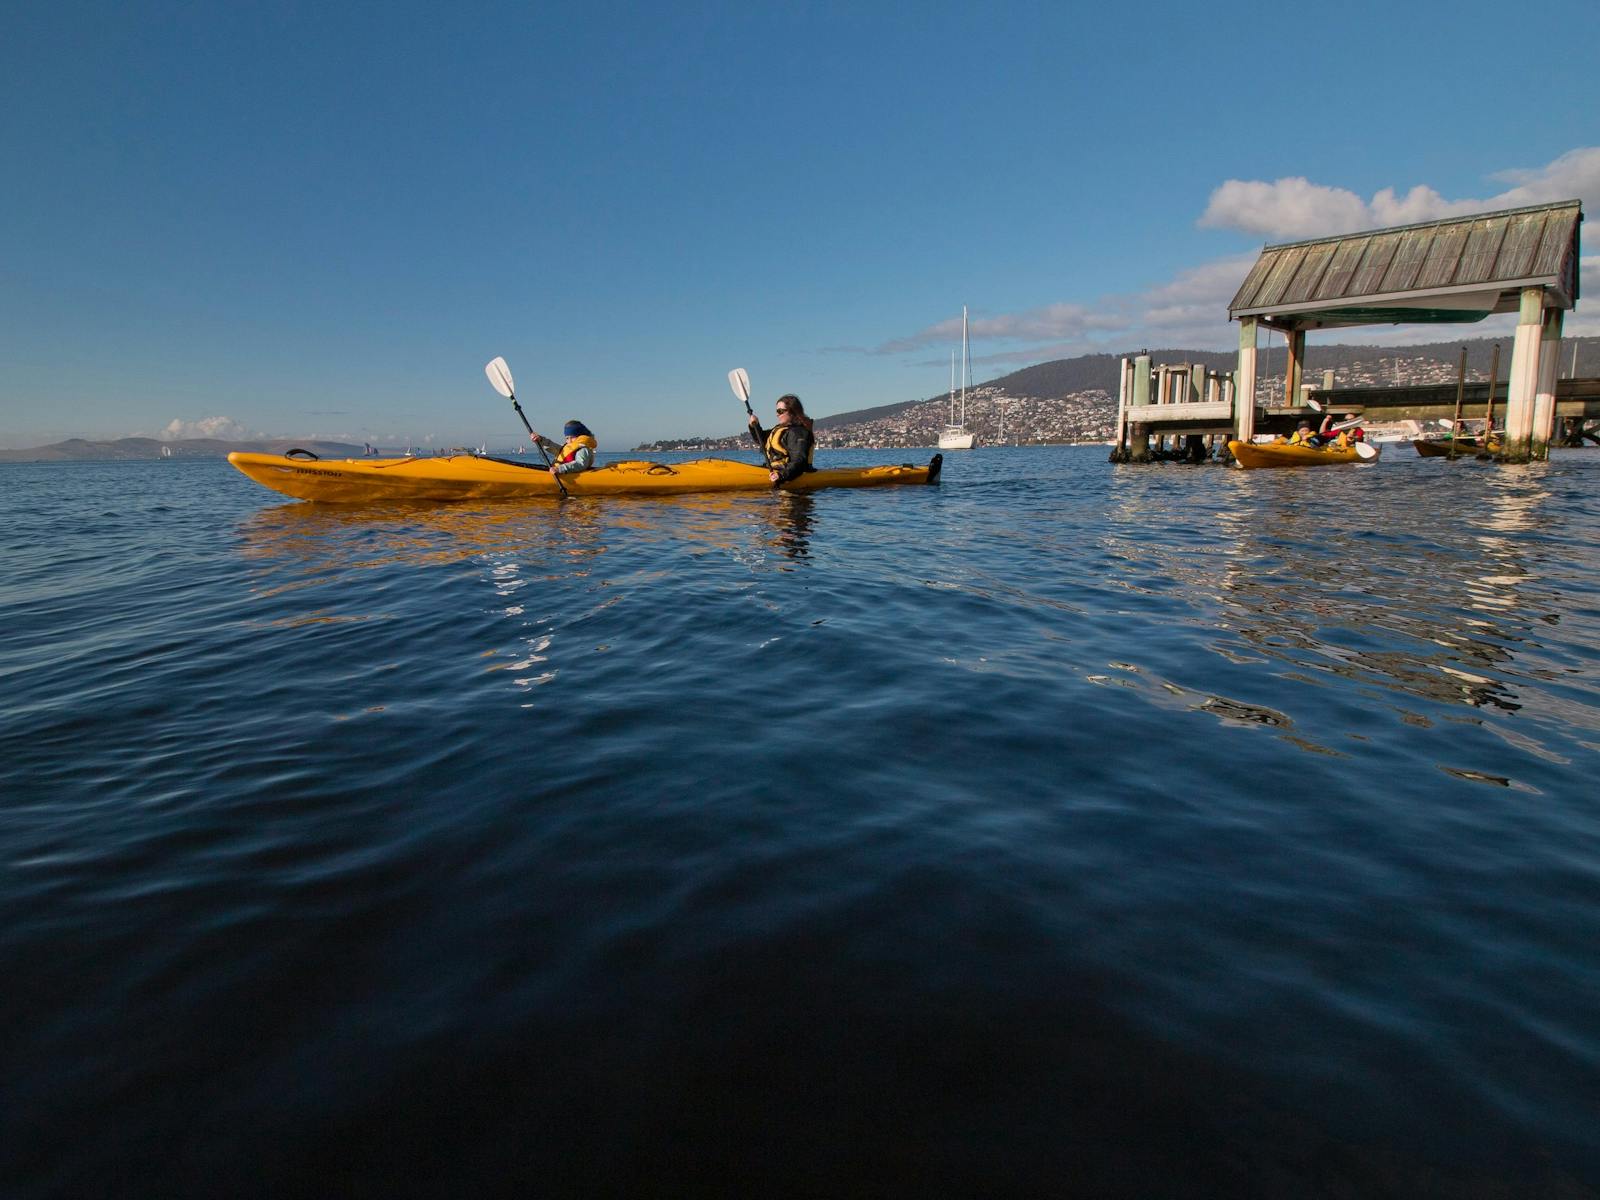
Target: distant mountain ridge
86, 450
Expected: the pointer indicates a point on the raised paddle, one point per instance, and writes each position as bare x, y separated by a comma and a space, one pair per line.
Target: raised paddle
1362, 449
500, 376
739, 381
1316, 406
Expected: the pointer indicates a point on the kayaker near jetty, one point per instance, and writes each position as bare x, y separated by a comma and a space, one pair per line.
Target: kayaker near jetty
789, 445
1304, 436
577, 454
1341, 437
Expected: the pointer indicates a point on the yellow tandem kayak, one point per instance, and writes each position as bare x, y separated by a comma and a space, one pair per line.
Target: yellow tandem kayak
478, 477
1280, 454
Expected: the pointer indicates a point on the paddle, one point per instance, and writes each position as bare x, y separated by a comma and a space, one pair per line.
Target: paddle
500, 376
739, 381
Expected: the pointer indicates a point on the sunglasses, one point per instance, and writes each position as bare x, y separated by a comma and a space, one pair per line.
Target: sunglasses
782, 410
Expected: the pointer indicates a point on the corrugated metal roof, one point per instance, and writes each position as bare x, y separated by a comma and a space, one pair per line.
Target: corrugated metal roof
1357, 278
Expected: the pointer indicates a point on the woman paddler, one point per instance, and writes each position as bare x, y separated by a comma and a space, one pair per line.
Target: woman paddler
577, 454
789, 445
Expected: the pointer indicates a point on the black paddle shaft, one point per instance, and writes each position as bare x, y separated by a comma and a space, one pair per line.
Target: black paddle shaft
537, 443
524, 417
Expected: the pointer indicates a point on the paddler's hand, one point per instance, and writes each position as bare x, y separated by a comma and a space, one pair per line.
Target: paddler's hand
533, 437
554, 474
772, 475
752, 422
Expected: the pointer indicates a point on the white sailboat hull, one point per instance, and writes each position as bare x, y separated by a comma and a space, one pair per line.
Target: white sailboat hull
955, 439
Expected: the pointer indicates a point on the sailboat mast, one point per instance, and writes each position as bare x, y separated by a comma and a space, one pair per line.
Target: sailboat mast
966, 364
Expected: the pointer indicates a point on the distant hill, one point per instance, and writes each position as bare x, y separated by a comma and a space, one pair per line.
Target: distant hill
83, 450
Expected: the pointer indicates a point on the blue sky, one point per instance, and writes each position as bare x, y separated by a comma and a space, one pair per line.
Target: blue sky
323, 219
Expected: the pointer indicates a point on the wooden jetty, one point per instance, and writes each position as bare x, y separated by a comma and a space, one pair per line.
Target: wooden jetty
1460, 270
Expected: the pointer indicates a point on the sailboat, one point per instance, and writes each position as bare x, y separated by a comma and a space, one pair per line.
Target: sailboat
955, 435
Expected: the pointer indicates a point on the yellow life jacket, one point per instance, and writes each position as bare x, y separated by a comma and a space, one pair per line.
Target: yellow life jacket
778, 454
570, 450
1301, 437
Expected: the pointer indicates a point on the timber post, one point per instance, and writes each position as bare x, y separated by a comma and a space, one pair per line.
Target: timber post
1544, 401
1139, 435
1294, 368
1119, 448
1461, 392
1244, 392
1488, 410
1517, 444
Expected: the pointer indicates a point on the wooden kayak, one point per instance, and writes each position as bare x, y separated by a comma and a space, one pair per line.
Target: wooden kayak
479, 477
1281, 454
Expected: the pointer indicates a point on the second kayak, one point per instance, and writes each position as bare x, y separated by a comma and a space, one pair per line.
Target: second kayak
1281, 454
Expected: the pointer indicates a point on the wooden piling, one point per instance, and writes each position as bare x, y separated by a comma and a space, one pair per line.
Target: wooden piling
1488, 411
1139, 435
1461, 389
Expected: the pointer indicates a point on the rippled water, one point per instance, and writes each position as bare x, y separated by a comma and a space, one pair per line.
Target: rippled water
1064, 829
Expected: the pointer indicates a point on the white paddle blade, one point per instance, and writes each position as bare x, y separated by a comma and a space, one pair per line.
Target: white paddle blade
1313, 405
739, 381
1366, 452
500, 375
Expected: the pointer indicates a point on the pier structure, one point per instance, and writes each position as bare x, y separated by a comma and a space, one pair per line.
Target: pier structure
1453, 271
1171, 410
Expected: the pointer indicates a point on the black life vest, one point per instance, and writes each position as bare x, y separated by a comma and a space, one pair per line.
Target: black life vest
778, 454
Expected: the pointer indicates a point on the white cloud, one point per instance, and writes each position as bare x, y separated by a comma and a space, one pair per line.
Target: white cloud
1297, 208
225, 428
1288, 208
1190, 310
1584, 321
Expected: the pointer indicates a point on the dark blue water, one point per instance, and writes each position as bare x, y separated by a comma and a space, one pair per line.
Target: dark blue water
1065, 829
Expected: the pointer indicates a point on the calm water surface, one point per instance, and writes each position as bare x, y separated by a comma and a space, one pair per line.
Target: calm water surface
1065, 829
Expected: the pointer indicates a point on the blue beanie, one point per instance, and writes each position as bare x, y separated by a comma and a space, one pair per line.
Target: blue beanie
574, 429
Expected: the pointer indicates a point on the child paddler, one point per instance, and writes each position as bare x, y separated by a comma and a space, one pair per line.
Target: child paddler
789, 445
576, 454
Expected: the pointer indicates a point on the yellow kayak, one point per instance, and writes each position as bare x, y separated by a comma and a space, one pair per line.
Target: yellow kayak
477, 477
1281, 454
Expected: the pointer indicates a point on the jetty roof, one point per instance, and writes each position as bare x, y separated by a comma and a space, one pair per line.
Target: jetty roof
1459, 269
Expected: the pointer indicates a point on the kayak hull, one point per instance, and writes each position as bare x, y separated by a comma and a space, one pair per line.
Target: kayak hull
477, 477
1277, 454
1464, 448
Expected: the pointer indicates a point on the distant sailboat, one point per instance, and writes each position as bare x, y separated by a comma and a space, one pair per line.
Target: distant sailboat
955, 435
166, 452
